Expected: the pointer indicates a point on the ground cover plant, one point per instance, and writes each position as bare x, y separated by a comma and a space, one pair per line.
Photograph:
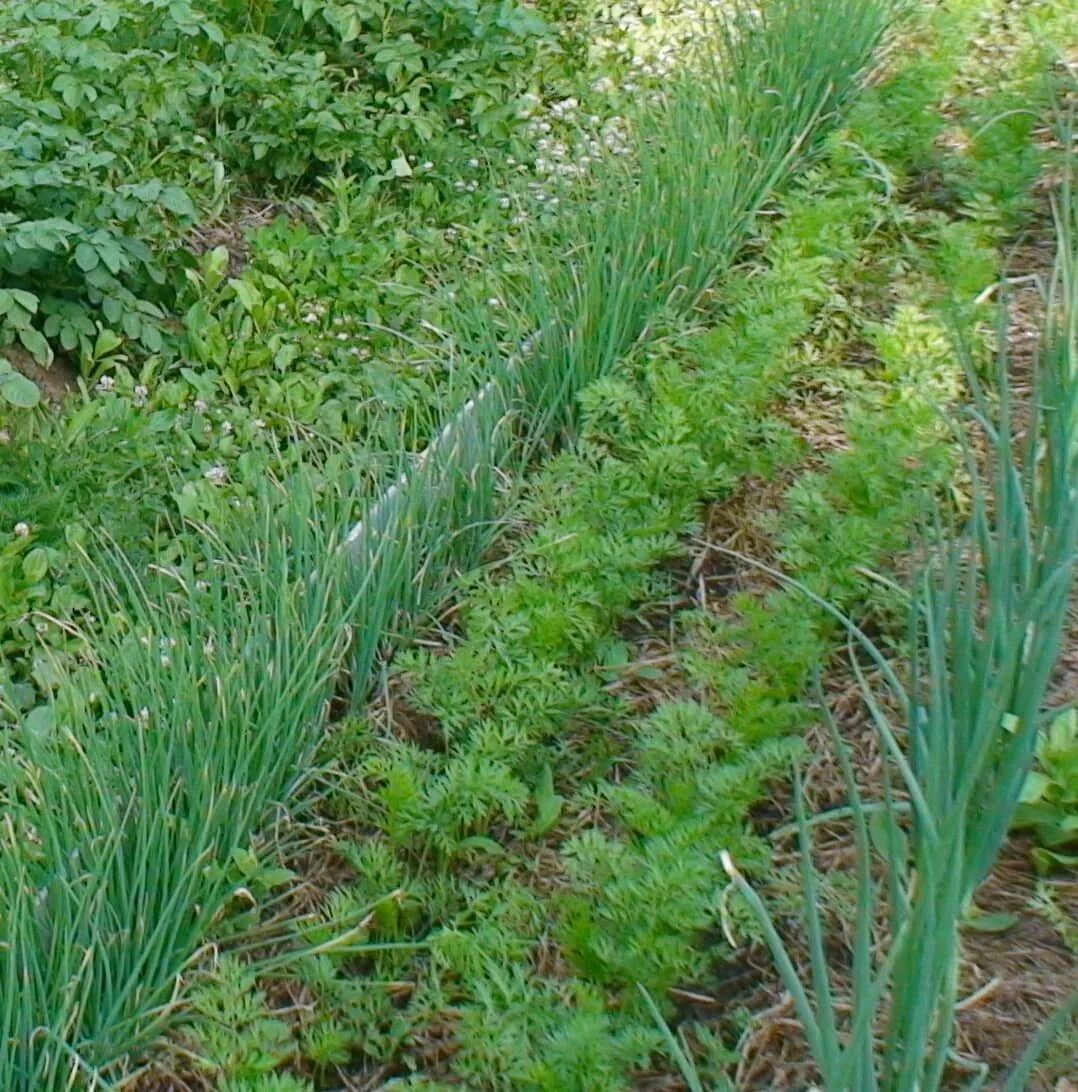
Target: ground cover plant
132, 792
347, 404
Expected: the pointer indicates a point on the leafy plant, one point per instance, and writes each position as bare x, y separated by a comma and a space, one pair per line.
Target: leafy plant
124, 124
1048, 805
15, 389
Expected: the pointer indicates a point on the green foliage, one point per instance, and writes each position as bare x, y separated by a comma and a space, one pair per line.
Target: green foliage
196, 708
148, 753
556, 833
238, 1036
125, 123
1048, 805
15, 389
564, 849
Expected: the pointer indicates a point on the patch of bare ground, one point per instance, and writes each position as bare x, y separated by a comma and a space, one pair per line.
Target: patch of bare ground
55, 381
232, 229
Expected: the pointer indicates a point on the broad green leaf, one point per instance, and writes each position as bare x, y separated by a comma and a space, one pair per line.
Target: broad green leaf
39, 722
246, 293
107, 341
35, 344
176, 200
18, 391
35, 565
1035, 787
86, 257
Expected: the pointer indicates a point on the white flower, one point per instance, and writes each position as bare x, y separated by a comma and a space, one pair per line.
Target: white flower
474, 164
226, 428
258, 423
22, 529
106, 383
494, 302
310, 317
141, 393
216, 475
504, 202
200, 406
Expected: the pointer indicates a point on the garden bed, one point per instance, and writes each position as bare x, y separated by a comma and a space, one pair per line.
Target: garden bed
390, 626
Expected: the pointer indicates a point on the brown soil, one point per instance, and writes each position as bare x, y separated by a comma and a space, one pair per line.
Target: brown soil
55, 381
232, 231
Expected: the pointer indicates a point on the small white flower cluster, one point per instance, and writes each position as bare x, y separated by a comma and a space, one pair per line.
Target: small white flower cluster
315, 313
216, 475
615, 136
562, 159
347, 330
165, 645
140, 393
652, 47
528, 104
